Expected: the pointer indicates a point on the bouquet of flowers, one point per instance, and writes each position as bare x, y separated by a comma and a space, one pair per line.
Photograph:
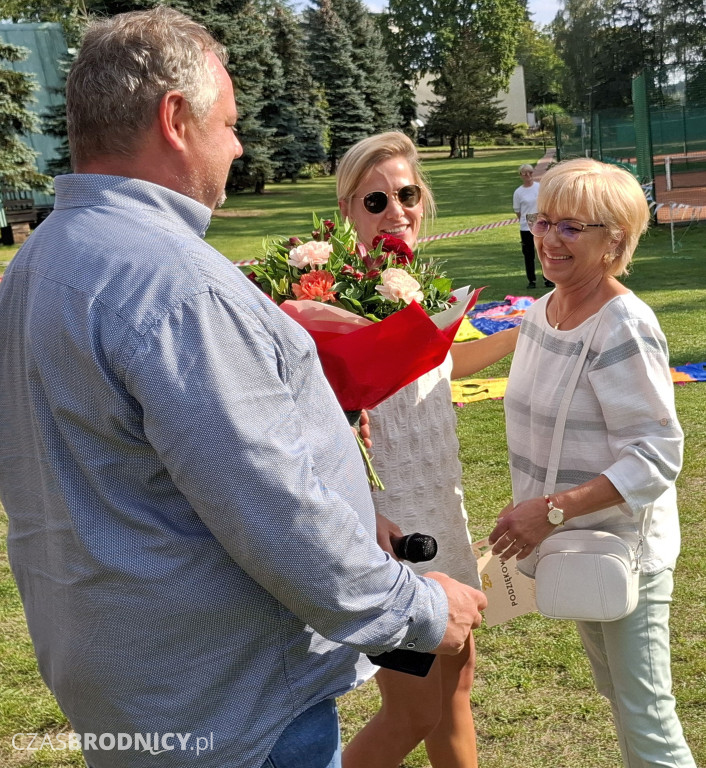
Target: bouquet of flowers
379, 318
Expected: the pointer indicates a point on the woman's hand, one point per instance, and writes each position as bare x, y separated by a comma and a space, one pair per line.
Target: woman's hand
363, 429
385, 530
520, 528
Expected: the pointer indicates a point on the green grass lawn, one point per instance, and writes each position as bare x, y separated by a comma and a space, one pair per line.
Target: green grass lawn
534, 701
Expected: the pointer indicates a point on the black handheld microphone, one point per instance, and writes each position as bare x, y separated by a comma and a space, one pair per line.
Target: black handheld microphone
415, 548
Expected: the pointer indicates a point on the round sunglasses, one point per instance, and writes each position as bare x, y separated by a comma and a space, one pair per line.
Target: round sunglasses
408, 197
567, 229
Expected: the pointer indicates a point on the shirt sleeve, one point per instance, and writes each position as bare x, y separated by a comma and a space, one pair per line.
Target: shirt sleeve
264, 455
632, 381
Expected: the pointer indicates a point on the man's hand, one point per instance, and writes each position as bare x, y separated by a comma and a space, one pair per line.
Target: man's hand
465, 606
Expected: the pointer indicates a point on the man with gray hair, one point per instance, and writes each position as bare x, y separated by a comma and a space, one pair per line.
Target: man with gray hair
191, 528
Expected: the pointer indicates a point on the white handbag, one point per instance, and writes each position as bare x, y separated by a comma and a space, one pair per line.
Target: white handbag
580, 574
586, 575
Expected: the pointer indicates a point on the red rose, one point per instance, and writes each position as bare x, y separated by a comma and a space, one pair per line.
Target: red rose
395, 245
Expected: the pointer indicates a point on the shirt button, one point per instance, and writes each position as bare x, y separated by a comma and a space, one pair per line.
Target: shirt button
664, 422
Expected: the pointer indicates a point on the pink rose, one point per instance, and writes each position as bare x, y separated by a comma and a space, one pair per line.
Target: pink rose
398, 285
311, 254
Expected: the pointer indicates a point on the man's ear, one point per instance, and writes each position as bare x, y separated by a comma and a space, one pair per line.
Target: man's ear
174, 115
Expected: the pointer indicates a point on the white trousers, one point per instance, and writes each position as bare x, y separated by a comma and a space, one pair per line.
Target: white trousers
632, 669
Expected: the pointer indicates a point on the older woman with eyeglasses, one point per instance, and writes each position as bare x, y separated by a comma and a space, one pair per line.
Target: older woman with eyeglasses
382, 191
622, 443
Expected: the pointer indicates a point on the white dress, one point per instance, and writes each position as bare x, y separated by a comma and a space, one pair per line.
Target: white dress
415, 452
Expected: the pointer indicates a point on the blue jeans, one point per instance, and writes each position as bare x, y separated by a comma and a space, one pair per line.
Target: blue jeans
632, 669
312, 740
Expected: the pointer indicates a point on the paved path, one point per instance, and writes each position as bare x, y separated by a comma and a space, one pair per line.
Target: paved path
544, 163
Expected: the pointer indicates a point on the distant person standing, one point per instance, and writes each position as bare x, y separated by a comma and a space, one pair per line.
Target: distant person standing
524, 201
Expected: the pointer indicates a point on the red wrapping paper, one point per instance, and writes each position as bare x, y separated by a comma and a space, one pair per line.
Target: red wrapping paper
366, 362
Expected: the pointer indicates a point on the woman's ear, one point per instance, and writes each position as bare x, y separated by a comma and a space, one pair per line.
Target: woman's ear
343, 207
615, 240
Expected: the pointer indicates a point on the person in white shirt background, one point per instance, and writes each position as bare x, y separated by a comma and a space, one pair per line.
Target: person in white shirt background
524, 201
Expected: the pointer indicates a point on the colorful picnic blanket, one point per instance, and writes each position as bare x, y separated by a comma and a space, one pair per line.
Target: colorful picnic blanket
484, 320
681, 374
499, 315
473, 390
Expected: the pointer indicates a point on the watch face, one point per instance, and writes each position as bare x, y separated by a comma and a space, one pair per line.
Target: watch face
556, 516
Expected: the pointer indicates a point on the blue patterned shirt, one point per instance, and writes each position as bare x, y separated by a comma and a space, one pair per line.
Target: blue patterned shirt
190, 524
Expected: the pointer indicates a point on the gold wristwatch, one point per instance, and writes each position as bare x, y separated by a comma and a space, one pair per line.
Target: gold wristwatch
555, 515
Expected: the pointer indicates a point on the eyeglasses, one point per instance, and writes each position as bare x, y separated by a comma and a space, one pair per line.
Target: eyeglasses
567, 229
408, 197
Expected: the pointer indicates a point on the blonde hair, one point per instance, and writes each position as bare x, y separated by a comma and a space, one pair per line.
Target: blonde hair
607, 195
363, 156
526, 167
125, 65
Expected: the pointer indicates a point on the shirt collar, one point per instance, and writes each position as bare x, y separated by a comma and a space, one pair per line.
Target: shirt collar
82, 190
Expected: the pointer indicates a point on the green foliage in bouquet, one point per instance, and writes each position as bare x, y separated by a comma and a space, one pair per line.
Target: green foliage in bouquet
335, 267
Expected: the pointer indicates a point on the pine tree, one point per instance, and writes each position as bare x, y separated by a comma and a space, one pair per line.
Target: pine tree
468, 96
257, 78
350, 119
18, 169
382, 87
297, 113
54, 124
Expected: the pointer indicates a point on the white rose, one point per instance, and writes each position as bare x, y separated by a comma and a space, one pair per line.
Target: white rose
313, 253
398, 285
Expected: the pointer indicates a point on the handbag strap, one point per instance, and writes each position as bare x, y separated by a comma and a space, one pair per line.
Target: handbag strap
560, 423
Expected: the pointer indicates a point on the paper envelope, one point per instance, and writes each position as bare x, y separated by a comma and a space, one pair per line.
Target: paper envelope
509, 592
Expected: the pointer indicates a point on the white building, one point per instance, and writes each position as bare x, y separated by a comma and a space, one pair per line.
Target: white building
513, 100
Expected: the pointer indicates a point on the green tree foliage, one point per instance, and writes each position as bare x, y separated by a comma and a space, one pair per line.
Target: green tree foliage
468, 104
576, 30
54, 124
18, 169
426, 32
258, 80
542, 66
296, 112
604, 43
382, 87
350, 119
71, 14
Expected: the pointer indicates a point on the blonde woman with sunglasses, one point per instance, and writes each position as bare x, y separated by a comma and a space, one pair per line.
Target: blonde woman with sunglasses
622, 444
382, 191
